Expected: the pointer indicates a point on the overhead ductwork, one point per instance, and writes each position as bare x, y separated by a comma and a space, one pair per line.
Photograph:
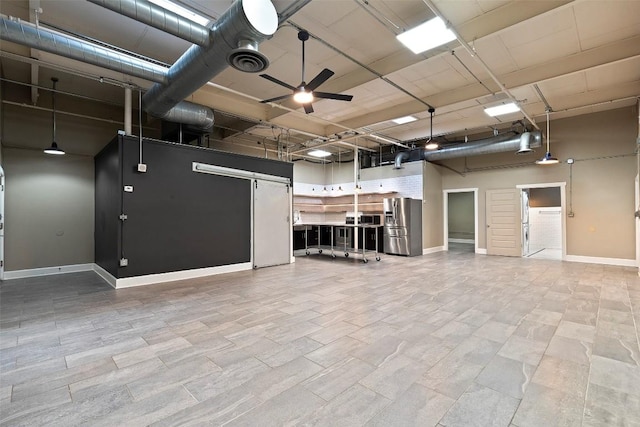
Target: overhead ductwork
402, 156
190, 113
160, 18
520, 143
25, 33
238, 32
233, 40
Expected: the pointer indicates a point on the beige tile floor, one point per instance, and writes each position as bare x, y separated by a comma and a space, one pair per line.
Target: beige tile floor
450, 339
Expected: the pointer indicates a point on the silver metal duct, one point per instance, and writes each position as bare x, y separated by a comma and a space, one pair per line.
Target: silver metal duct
245, 20
496, 144
160, 18
402, 156
25, 33
191, 114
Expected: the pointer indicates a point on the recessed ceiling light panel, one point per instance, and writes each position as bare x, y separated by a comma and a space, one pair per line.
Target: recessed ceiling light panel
319, 153
403, 120
428, 35
182, 11
501, 109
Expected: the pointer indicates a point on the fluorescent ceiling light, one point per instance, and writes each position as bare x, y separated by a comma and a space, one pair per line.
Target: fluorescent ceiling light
319, 153
498, 110
182, 11
428, 35
403, 120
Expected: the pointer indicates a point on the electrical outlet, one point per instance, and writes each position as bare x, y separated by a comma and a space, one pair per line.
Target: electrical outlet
142, 168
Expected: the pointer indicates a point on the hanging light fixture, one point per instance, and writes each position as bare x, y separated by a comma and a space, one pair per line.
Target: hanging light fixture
324, 163
54, 149
431, 144
339, 186
548, 159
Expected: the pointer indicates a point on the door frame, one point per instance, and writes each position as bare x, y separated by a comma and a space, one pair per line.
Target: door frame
445, 218
563, 208
2, 223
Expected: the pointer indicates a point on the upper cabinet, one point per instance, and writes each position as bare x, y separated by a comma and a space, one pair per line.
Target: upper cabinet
367, 202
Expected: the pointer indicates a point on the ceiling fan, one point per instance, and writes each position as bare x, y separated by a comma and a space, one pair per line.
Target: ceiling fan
305, 93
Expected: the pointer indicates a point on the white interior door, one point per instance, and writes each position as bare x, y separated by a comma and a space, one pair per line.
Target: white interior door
271, 224
504, 235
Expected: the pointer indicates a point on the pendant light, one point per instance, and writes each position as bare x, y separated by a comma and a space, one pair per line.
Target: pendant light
339, 186
54, 149
548, 159
324, 163
431, 144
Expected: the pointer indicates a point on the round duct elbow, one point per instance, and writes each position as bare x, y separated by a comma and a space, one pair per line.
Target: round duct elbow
527, 141
525, 147
402, 156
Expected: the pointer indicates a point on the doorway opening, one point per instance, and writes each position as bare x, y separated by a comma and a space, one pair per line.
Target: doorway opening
461, 220
543, 221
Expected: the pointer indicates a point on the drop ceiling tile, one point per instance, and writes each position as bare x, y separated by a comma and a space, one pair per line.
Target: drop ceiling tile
542, 39
623, 71
403, 14
563, 86
600, 22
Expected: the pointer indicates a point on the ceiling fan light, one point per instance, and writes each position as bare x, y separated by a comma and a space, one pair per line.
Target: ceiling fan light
303, 97
548, 159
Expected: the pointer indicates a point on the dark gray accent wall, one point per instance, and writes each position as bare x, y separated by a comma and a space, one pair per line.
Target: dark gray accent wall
178, 219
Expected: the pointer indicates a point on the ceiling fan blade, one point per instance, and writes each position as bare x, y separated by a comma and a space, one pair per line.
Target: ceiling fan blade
308, 108
336, 96
277, 98
319, 79
276, 81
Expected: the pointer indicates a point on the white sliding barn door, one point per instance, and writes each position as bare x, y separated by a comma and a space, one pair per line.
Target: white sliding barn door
271, 224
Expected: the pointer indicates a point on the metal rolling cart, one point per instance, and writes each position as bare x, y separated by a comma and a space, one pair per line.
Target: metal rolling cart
342, 233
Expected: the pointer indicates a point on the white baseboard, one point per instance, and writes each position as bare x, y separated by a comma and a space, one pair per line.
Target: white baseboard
105, 275
433, 250
151, 279
461, 241
47, 271
598, 260
481, 251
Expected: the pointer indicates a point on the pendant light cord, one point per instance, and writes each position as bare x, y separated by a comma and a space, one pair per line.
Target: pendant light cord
53, 105
547, 111
431, 111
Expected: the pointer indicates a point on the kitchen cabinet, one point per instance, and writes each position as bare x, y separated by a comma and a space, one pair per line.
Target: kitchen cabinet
367, 203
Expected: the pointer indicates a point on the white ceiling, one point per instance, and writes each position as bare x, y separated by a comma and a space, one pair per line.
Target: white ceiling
583, 56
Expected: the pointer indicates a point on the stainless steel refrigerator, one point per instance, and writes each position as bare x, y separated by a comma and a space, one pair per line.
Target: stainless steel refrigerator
403, 226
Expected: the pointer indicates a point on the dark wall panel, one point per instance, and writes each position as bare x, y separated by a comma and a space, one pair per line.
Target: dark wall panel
179, 219
107, 207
